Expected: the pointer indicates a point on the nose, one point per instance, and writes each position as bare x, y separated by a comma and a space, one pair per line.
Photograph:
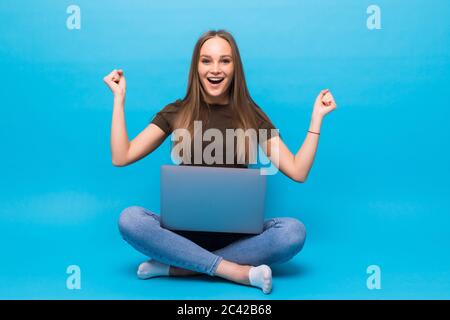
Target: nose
215, 69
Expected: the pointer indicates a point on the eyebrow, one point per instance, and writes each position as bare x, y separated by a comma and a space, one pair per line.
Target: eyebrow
205, 55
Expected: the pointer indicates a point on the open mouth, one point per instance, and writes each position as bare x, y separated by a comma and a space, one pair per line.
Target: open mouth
215, 80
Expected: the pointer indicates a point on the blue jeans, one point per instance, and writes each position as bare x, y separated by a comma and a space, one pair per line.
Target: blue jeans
202, 252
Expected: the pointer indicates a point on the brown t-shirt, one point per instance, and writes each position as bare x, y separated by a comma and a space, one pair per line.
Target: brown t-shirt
220, 118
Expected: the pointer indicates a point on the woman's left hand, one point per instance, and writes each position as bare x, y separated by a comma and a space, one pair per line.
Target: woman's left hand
324, 104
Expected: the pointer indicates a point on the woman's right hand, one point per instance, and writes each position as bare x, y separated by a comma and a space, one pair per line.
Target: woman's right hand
116, 82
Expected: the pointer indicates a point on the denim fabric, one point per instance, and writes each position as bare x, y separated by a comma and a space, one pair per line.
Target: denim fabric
281, 239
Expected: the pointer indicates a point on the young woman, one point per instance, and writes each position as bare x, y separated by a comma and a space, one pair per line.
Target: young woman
217, 95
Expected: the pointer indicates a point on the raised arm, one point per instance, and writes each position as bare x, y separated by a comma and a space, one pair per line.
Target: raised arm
297, 166
123, 151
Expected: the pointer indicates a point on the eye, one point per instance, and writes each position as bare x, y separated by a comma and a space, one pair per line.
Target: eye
226, 61
205, 60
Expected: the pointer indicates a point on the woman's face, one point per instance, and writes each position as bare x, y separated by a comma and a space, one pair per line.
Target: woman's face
216, 69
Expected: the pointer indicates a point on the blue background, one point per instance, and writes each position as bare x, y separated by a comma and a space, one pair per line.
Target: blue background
377, 192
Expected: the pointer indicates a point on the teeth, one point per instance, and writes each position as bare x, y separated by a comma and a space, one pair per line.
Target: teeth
215, 79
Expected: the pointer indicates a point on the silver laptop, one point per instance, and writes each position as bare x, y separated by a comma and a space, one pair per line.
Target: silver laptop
212, 199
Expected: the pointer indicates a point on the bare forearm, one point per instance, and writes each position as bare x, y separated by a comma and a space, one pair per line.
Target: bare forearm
119, 136
304, 158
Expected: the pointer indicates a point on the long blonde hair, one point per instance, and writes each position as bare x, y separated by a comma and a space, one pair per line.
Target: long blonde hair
246, 112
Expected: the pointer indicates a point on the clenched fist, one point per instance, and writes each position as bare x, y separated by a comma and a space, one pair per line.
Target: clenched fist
324, 104
116, 82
